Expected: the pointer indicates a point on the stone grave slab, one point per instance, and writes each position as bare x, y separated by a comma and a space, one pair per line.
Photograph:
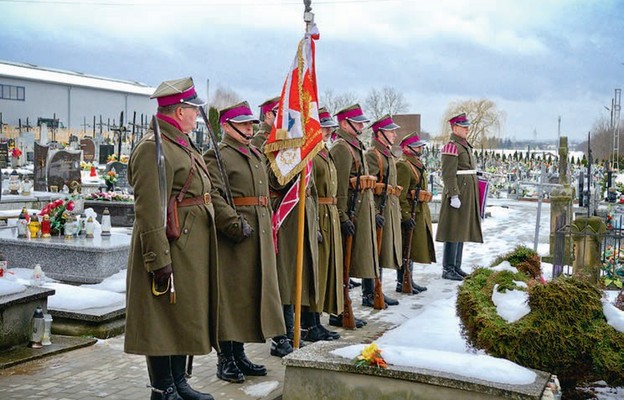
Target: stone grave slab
122, 172
63, 168
88, 150
16, 311
4, 155
39, 167
77, 260
314, 373
105, 151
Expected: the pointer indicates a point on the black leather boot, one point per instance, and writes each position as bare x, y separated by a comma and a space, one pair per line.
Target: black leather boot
458, 260
161, 379
368, 286
336, 320
448, 262
310, 331
331, 335
178, 370
244, 364
280, 346
415, 286
227, 369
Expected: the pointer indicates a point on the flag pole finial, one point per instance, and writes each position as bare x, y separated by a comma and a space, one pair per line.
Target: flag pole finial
308, 15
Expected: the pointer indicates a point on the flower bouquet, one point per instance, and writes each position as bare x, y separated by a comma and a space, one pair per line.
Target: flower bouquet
58, 210
110, 178
16, 152
110, 196
371, 356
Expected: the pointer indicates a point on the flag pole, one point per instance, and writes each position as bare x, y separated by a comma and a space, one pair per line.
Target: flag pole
308, 18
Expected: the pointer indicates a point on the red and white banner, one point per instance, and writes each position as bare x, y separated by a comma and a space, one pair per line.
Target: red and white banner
296, 135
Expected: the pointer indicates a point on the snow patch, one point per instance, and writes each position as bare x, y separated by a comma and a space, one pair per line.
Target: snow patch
262, 389
614, 316
8, 287
511, 305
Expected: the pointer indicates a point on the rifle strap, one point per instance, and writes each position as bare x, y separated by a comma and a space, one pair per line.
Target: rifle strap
418, 173
380, 164
348, 146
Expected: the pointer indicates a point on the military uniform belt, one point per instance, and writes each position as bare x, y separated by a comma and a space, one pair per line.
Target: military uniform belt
196, 201
467, 172
251, 201
328, 200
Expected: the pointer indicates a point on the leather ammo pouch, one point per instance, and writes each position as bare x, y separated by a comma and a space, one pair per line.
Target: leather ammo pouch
173, 224
366, 182
423, 195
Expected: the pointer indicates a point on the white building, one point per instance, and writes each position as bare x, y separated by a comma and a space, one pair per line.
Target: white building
33, 92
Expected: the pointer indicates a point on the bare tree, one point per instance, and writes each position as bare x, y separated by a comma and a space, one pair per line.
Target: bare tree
601, 140
485, 116
336, 102
385, 101
224, 97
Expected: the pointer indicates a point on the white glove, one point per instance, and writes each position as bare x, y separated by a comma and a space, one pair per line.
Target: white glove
455, 202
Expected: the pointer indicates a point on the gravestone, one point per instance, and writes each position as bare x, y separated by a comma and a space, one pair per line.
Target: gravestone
63, 168
105, 151
40, 162
4, 155
88, 150
122, 174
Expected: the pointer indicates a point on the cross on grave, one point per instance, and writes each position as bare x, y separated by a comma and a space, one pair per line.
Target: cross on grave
120, 134
84, 125
135, 128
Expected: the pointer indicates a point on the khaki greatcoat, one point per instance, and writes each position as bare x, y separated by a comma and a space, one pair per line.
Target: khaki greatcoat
250, 307
348, 154
381, 162
410, 170
330, 249
287, 246
459, 224
154, 326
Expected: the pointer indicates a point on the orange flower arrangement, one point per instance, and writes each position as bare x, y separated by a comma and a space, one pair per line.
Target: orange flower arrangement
371, 356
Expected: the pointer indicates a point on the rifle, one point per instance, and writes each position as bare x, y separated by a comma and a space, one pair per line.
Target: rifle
378, 297
224, 177
348, 319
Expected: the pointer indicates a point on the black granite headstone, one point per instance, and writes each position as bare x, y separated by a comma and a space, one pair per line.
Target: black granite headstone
4, 155
105, 151
63, 168
88, 150
122, 174
39, 170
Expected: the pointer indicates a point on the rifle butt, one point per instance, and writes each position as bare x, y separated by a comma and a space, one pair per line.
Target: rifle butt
348, 319
378, 297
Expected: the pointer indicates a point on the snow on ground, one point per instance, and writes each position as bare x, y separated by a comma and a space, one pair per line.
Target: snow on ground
427, 330
260, 390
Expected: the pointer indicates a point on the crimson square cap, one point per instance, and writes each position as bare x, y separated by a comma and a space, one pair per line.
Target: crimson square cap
384, 123
177, 91
412, 140
237, 113
269, 104
326, 119
352, 113
460, 120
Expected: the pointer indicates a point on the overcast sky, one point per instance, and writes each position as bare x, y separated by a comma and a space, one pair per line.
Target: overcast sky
536, 60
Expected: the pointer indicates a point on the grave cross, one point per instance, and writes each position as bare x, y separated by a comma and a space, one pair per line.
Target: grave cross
84, 126
27, 126
120, 133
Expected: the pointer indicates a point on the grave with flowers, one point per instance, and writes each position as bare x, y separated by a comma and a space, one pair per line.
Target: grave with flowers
59, 244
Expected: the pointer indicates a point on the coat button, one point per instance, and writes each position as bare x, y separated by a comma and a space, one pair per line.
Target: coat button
260, 181
185, 230
167, 251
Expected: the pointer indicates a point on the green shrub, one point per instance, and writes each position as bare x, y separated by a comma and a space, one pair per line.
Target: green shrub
524, 259
565, 333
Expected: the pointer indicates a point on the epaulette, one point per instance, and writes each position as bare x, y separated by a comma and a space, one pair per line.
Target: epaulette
450, 149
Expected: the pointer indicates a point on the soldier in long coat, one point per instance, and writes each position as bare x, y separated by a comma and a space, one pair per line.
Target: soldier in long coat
460, 219
287, 255
348, 154
330, 265
412, 176
382, 164
166, 319
268, 110
247, 256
